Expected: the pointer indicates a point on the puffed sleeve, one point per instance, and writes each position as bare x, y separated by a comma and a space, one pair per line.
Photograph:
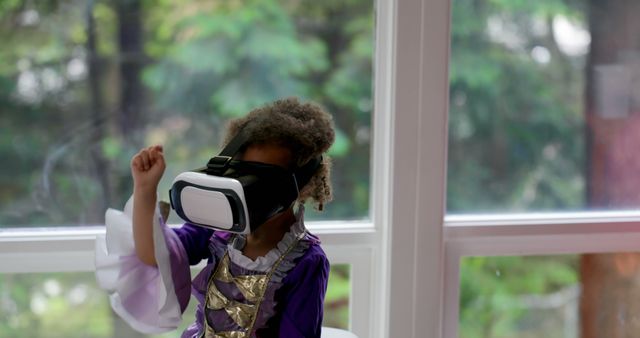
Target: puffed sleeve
303, 303
151, 299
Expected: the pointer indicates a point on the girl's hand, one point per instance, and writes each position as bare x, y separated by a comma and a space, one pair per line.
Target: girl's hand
147, 167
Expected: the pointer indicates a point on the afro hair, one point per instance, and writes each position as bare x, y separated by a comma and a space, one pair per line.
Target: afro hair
304, 128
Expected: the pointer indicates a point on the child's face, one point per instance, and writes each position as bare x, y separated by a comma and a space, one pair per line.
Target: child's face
268, 153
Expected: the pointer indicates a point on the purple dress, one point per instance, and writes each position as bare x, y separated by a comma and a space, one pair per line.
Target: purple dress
152, 299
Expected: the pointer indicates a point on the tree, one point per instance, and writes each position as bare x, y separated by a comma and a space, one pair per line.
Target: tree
610, 287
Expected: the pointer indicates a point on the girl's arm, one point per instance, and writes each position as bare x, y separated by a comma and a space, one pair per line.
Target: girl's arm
147, 167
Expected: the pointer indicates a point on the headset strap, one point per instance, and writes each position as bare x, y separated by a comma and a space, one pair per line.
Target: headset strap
219, 163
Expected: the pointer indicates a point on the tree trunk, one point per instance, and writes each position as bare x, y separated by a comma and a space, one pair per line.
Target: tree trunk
610, 301
131, 58
130, 41
98, 120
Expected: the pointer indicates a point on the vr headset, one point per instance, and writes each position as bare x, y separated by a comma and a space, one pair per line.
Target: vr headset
237, 196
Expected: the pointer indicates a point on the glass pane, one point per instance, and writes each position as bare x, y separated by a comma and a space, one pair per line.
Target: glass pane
71, 305
336, 302
544, 97
519, 297
84, 84
568, 296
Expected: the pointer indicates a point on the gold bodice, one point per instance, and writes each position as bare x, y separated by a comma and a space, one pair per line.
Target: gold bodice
252, 287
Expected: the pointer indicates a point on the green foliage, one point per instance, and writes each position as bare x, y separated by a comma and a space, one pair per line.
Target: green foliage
53, 305
336, 302
242, 56
491, 288
515, 124
340, 147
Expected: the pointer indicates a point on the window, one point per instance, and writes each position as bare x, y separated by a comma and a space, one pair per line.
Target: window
86, 83
542, 128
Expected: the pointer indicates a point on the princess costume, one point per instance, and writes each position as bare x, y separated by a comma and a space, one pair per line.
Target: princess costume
278, 295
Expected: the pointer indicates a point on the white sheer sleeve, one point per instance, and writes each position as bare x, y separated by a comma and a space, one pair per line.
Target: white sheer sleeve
151, 299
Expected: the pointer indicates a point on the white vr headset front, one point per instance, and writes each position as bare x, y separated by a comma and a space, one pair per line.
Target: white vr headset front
211, 201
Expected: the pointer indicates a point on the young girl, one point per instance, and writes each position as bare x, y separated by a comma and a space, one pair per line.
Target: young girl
269, 283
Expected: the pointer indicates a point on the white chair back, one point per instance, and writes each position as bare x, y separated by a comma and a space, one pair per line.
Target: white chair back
329, 332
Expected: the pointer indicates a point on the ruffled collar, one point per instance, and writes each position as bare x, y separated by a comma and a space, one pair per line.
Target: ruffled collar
264, 263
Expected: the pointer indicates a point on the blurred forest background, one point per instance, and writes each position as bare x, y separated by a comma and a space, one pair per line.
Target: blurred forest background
84, 84
541, 101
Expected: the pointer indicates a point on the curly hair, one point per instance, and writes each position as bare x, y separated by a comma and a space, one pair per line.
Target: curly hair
304, 128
